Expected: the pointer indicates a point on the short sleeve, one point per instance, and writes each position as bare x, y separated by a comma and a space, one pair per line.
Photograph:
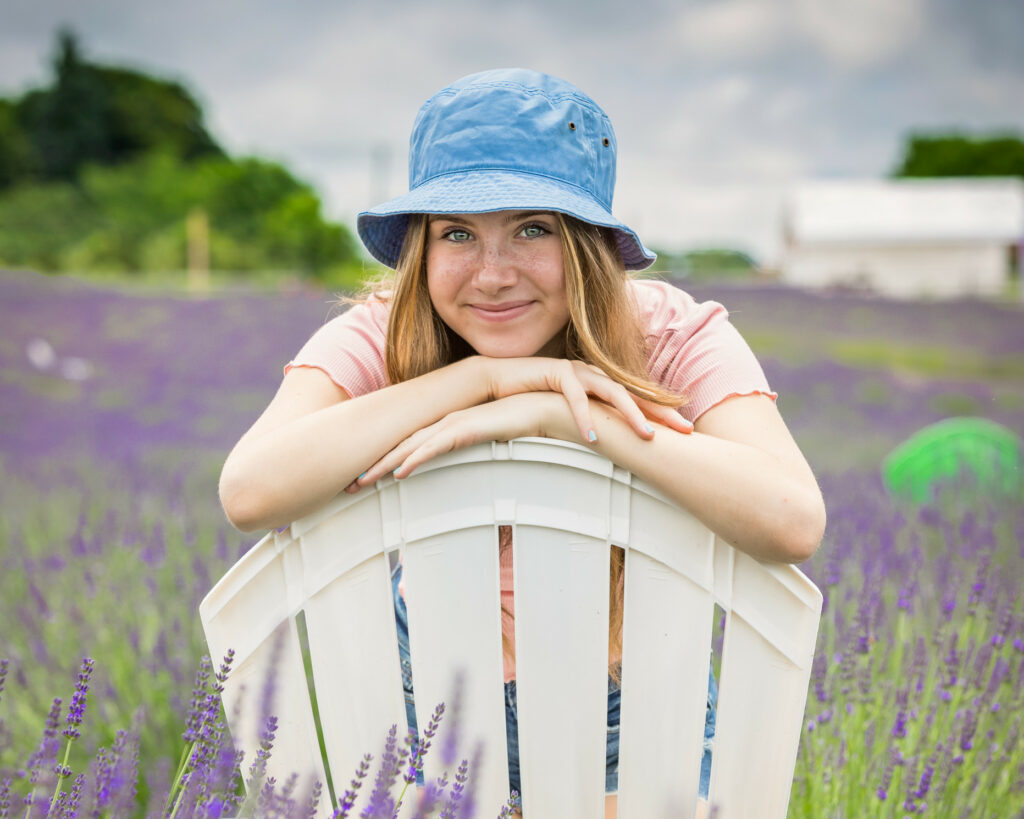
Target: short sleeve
350, 348
695, 350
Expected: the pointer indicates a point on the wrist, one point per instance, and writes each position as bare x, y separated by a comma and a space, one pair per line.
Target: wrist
467, 382
556, 420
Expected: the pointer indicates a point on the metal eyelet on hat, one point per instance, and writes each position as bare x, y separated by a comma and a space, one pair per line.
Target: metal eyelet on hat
572, 126
605, 142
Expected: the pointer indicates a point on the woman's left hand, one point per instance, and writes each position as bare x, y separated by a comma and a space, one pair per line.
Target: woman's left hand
516, 416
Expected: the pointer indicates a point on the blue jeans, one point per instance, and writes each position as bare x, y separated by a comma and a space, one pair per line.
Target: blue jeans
611, 781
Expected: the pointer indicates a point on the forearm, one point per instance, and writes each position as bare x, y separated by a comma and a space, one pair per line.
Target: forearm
764, 505
272, 478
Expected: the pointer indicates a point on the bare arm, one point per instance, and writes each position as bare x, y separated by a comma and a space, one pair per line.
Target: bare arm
741, 473
313, 440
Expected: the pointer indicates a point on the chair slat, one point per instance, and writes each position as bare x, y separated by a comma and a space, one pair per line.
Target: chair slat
762, 693
671, 536
295, 747
561, 668
567, 506
353, 647
452, 598
666, 656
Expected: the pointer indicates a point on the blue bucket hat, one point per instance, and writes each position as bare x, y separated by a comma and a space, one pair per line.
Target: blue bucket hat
509, 139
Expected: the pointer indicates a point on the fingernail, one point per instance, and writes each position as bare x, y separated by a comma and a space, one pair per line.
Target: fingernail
362, 476
592, 436
649, 428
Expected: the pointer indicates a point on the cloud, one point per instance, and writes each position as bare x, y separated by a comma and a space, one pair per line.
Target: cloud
859, 33
732, 29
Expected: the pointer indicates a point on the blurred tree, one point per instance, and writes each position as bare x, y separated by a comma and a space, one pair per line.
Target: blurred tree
958, 154
100, 115
131, 217
37, 222
707, 263
100, 171
17, 153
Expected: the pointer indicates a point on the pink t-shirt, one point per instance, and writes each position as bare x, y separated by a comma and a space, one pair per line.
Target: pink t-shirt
694, 350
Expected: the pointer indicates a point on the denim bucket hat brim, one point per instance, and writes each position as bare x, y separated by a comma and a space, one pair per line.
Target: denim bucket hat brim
509, 139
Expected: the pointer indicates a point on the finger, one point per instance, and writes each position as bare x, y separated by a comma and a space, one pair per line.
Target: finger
393, 459
353, 487
579, 403
628, 405
444, 439
666, 415
596, 383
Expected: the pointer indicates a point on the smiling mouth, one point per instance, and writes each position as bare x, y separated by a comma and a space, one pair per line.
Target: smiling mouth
500, 312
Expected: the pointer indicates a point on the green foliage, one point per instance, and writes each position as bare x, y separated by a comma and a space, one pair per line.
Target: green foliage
38, 222
99, 172
707, 263
95, 114
962, 155
17, 153
131, 218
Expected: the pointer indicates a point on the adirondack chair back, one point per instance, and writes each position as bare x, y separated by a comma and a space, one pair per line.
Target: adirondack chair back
567, 507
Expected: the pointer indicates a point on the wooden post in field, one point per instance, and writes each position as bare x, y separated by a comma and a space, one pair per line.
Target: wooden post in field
197, 238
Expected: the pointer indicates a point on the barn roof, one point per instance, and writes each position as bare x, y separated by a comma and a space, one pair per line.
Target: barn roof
906, 210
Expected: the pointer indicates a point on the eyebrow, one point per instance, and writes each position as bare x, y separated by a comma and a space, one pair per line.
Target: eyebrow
511, 216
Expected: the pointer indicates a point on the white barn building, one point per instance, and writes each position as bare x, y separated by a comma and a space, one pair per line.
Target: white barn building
907, 238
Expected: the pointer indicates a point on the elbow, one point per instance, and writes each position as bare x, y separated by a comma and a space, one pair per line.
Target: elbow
241, 503
805, 529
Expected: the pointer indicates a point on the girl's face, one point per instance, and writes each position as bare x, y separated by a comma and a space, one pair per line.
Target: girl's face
496, 279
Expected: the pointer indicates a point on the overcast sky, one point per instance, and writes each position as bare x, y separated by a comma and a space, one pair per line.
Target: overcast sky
719, 105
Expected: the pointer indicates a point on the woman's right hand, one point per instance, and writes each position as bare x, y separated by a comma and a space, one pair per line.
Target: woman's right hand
577, 383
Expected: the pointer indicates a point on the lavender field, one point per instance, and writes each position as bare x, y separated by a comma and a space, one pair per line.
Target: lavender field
117, 409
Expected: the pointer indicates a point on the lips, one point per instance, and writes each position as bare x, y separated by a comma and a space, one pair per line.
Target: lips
505, 311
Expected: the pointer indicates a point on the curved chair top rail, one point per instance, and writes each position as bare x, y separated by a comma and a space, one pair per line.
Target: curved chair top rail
319, 592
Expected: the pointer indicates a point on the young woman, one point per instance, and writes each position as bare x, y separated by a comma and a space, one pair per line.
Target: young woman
511, 313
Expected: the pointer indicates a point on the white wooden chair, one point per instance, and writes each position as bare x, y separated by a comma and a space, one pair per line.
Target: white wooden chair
567, 506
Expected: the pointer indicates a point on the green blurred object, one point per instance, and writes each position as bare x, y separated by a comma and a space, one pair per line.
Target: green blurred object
974, 449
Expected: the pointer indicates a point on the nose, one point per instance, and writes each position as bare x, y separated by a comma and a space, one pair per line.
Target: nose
496, 269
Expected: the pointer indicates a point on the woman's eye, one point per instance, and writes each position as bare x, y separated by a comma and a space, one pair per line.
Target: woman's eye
534, 231
456, 235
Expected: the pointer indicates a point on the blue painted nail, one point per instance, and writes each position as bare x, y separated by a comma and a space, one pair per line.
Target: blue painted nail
592, 436
649, 428
362, 476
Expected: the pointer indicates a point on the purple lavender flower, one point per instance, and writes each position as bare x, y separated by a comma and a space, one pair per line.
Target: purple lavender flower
924, 783
458, 787
510, 806
76, 711
349, 798
3, 675
893, 760
70, 807
967, 732
422, 745
381, 803
195, 714
5, 798
899, 729
451, 738
314, 800
259, 765
432, 796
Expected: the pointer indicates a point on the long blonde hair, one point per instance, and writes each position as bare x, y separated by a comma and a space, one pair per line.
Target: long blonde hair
603, 329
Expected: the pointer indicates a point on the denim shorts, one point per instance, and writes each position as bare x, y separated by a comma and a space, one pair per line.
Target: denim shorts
512, 718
